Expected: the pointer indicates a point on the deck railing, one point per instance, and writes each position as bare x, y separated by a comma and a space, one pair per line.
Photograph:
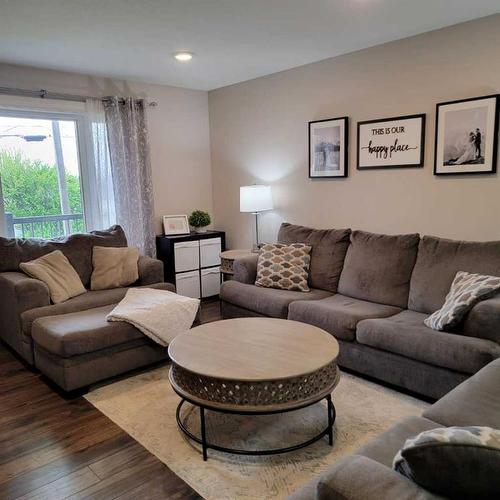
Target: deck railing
44, 226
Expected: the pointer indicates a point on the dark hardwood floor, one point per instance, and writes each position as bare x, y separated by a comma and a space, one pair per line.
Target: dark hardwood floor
54, 448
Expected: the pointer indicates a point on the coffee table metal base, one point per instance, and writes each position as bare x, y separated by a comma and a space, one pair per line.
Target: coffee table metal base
328, 431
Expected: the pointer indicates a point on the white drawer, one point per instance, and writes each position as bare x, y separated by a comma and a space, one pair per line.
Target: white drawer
210, 252
188, 284
187, 256
210, 282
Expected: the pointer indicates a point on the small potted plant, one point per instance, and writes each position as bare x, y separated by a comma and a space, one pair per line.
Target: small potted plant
199, 220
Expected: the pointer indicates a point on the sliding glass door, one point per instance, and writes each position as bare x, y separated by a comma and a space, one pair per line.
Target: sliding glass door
40, 175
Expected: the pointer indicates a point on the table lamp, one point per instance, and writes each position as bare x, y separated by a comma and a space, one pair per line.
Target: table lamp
255, 199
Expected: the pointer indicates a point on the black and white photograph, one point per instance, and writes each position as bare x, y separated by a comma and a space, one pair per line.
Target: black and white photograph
466, 136
396, 142
328, 147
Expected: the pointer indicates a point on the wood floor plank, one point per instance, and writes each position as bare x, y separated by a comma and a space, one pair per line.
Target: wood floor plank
51, 447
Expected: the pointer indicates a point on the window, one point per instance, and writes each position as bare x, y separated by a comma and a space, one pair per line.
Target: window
40, 174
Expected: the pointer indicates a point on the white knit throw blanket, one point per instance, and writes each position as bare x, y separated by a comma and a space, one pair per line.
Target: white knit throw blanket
159, 314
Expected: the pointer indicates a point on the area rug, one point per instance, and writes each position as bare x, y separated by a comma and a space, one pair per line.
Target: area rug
144, 406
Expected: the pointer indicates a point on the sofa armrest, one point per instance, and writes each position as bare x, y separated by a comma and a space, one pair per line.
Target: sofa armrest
19, 293
245, 269
150, 271
483, 320
356, 477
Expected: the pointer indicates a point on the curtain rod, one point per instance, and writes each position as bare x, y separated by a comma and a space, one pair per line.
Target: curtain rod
45, 94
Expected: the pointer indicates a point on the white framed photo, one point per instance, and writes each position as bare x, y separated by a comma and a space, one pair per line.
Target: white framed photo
467, 136
328, 146
391, 142
175, 224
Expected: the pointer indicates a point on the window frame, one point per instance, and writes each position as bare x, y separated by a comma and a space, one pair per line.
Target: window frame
79, 117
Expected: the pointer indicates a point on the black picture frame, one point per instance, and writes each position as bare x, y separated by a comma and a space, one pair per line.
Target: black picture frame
493, 169
421, 143
345, 172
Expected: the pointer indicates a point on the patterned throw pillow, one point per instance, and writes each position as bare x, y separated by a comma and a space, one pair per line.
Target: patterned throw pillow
284, 266
457, 462
466, 291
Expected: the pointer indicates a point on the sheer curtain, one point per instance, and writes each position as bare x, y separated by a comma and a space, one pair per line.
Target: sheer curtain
131, 168
99, 193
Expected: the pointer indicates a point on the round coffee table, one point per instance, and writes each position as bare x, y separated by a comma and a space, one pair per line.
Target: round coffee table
254, 366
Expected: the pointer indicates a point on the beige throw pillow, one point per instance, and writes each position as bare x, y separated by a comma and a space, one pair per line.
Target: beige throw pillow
114, 267
55, 270
284, 266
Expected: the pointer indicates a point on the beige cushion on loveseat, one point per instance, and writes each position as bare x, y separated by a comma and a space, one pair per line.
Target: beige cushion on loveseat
114, 267
57, 273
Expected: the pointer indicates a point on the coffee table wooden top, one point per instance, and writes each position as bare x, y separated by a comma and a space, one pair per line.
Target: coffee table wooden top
254, 349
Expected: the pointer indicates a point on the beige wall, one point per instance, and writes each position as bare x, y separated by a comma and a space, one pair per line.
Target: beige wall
259, 134
178, 132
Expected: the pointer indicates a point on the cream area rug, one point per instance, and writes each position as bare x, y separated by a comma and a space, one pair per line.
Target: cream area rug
144, 406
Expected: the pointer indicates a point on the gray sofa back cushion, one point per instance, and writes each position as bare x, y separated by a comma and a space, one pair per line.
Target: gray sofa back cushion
378, 267
76, 247
438, 262
329, 247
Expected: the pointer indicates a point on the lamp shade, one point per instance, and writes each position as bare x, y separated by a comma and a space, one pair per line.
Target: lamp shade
255, 198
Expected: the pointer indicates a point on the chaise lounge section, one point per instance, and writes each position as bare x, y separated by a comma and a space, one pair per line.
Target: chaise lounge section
373, 292
71, 342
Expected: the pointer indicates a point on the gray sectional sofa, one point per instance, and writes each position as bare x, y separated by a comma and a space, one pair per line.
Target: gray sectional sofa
373, 292
368, 473
71, 342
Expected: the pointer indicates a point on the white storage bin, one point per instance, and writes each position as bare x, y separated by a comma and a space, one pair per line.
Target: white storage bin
187, 256
188, 284
210, 282
210, 252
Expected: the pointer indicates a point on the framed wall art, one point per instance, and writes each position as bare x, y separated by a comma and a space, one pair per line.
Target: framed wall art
391, 142
175, 224
466, 136
328, 145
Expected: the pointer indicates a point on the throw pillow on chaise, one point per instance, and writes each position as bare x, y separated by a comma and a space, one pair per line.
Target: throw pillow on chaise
114, 267
55, 270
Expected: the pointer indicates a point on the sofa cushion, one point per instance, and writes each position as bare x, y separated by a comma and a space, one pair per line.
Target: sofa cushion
82, 332
76, 247
57, 273
378, 267
483, 320
329, 247
83, 302
338, 314
265, 301
458, 462
383, 448
438, 262
406, 334
474, 402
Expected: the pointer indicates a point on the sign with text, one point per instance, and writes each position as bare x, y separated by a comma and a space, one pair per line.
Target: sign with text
391, 142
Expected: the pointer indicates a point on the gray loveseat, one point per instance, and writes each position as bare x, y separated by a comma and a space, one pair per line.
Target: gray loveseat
368, 473
373, 292
71, 342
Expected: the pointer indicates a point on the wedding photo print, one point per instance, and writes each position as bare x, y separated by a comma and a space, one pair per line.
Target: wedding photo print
328, 148
467, 136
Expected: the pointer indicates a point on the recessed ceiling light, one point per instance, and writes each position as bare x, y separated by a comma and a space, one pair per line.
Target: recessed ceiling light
183, 56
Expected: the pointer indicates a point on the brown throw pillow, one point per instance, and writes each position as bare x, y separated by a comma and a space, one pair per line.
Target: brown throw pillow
114, 267
284, 266
57, 273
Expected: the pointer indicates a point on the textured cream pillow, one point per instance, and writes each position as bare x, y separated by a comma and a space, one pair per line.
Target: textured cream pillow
114, 267
57, 273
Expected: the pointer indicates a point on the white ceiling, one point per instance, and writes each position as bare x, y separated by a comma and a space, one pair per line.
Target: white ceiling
233, 40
